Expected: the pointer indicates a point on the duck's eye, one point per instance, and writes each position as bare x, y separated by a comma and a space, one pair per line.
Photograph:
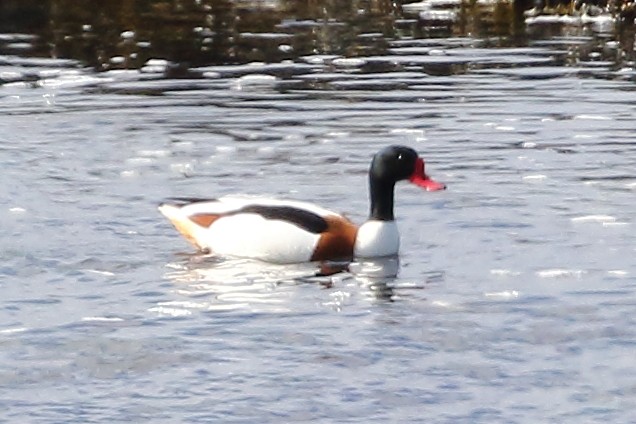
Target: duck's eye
400, 156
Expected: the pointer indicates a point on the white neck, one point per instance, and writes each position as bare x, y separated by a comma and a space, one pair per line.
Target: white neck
376, 239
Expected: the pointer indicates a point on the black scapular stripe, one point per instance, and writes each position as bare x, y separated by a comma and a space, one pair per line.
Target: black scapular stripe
306, 220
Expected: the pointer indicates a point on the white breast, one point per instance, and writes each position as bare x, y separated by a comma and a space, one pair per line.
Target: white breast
376, 239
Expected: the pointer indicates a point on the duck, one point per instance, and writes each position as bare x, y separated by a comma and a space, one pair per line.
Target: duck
288, 231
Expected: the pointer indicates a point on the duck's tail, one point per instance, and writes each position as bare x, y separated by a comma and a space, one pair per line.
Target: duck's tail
182, 222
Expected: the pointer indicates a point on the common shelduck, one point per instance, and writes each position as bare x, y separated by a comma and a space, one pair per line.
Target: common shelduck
284, 231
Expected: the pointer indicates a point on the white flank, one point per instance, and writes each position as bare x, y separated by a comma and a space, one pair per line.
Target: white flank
376, 239
252, 236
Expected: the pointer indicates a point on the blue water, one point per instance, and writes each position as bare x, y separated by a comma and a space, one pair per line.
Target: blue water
515, 296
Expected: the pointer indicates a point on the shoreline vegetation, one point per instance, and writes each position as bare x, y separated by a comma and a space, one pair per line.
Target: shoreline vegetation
130, 34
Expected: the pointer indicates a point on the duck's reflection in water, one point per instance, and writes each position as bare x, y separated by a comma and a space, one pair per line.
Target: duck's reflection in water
207, 283
377, 275
223, 284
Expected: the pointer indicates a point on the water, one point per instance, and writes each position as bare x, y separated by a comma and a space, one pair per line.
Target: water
515, 296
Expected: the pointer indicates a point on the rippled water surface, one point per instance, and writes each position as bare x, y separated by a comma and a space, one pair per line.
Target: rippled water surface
515, 298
